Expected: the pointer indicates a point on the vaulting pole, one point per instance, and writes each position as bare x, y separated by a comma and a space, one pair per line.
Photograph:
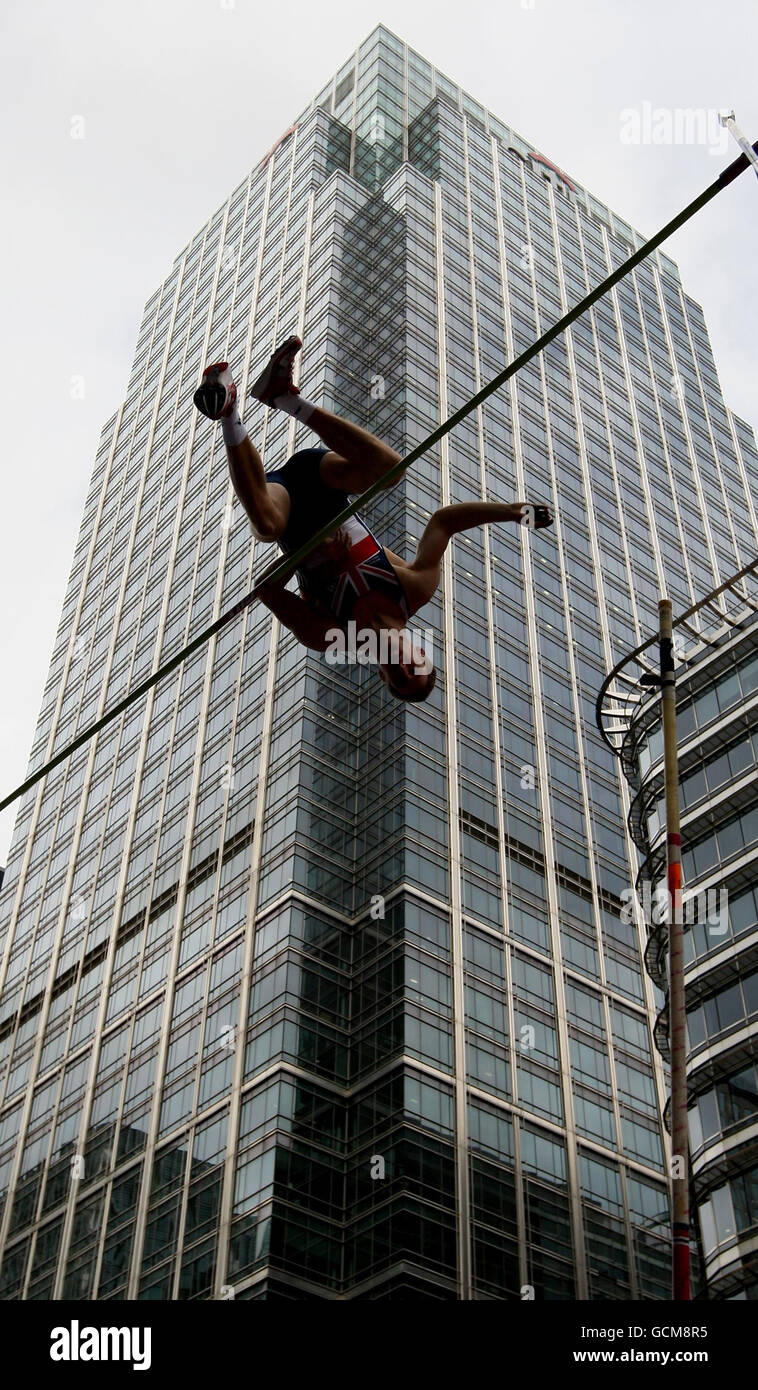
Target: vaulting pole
287, 566
680, 1213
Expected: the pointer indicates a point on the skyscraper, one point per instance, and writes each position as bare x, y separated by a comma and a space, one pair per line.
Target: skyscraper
307, 993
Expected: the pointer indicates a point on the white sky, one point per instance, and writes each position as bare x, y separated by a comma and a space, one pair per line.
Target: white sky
181, 97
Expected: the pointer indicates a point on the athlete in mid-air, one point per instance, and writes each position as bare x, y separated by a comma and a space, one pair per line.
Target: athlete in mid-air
350, 577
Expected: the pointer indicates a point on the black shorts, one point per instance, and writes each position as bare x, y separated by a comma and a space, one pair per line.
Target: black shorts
321, 575
312, 503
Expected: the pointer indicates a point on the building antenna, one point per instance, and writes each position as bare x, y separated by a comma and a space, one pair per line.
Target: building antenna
284, 568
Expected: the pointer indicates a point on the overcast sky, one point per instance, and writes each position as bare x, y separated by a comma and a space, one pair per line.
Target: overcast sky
179, 98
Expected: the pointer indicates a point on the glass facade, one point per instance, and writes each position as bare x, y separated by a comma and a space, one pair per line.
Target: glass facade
307, 993
717, 726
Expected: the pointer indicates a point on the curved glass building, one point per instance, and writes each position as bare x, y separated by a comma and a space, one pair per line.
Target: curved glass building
717, 726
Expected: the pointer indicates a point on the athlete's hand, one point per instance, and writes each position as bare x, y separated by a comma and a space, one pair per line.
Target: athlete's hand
268, 588
268, 592
339, 547
535, 516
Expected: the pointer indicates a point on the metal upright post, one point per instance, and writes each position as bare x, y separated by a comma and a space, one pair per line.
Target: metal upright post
680, 1221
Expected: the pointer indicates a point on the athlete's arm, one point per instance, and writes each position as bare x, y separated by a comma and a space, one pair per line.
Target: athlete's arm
421, 577
464, 516
298, 616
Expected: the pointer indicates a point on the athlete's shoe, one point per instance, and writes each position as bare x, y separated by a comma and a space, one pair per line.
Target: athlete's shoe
216, 395
276, 378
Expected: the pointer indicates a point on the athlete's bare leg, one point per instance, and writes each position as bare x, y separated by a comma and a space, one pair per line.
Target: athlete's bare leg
358, 459
267, 504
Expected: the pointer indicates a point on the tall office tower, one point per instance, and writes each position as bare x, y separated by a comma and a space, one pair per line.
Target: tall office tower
309, 993
717, 728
